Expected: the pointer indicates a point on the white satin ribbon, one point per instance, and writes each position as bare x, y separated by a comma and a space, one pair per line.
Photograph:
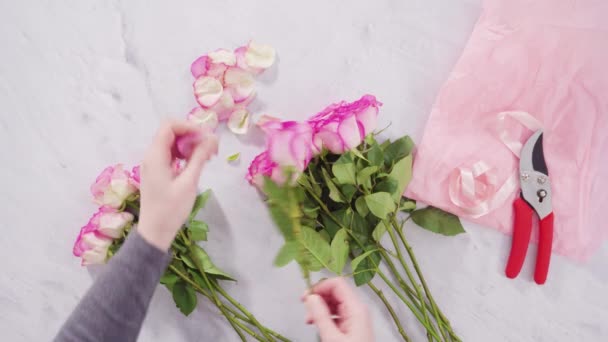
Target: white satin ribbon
475, 189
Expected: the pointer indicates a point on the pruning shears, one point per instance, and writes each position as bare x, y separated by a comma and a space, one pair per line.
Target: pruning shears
535, 197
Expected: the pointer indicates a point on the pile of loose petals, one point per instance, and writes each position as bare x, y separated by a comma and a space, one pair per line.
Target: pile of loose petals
112, 188
338, 128
224, 85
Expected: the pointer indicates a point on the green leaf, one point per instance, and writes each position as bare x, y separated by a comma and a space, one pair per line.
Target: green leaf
201, 258
198, 279
345, 158
330, 226
199, 203
317, 250
407, 205
310, 208
339, 251
198, 230
361, 206
389, 185
324, 234
366, 267
356, 261
348, 191
438, 221
358, 154
186, 259
375, 155
359, 227
379, 231
344, 173
304, 181
184, 297
334, 193
279, 205
286, 254
233, 157
398, 149
402, 173
364, 176
380, 204
169, 279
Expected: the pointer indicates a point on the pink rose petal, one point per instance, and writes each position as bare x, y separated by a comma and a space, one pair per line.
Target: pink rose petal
349, 131
203, 117
240, 83
185, 144
207, 91
217, 71
200, 66
224, 107
265, 118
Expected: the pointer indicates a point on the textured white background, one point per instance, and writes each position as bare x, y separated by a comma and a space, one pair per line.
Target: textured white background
84, 84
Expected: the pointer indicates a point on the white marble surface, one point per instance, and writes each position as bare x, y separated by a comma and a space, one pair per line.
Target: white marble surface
83, 84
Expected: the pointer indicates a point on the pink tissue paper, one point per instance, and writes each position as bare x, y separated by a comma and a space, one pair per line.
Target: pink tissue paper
527, 65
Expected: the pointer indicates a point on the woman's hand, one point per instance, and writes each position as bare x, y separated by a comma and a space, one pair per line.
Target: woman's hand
338, 313
167, 197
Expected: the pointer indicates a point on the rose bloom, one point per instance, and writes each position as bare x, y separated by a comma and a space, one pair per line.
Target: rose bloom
343, 126
289, 143
96, 236
262, 167
113, 186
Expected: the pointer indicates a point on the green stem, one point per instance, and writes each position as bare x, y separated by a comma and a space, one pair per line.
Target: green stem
409, 304
211, 297
214, 296
409, 274
380, 273
244, 311
412, 256
390, 310
234, 312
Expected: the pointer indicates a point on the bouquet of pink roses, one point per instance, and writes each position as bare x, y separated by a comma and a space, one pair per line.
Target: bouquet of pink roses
190, 271
334, 192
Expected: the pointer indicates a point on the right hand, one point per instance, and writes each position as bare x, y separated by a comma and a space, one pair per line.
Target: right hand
336, 310
167, 197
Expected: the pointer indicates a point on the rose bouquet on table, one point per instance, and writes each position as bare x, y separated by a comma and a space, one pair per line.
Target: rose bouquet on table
190, 271
335, 194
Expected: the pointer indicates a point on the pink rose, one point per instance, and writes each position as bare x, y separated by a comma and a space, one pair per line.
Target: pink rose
113, 186
91, 245
135, 176
343, 126
111, 223
289, 143
262, 167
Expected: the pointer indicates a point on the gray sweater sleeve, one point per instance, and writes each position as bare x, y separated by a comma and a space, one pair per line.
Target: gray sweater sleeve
115, 306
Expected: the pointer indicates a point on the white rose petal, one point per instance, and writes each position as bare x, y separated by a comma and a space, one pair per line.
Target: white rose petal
208, 91
238, 122
259, 55
204, 117
223, 56
98, 249
113, 224
240, 83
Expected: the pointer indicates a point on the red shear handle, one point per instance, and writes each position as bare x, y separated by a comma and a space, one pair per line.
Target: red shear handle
545, 242
521, 237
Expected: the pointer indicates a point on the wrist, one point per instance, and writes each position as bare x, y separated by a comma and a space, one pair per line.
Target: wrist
155, 235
